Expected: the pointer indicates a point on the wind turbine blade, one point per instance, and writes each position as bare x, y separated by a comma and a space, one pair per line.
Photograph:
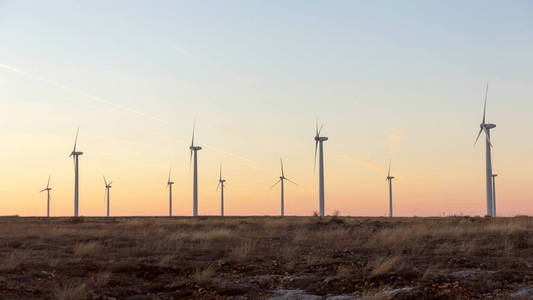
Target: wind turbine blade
477, 138
321, 126
190, 161
282, 173
291, 181
193, 130
488, 137
48, 184
105, 181
388, 174
110, 183
76, 139
275, 183
218, 185
42, 190
485, 105
220, 173
314, 166
169, 171
316, 127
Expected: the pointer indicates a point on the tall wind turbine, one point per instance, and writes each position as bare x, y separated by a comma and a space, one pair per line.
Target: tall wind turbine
169, 185
494, 194
318, 145
486, 127
47, 189
389, 179
282, 178
221, 185
107, 188
194, 151
75, 155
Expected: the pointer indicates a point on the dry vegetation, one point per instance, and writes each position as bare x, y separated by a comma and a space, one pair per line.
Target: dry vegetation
258, 257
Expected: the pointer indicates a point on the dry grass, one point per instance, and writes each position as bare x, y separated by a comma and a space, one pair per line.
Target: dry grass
204, 275
70, 292
83, 250
386, 265
251, 256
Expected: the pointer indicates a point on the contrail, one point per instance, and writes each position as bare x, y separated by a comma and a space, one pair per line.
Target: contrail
372, 167
79, 92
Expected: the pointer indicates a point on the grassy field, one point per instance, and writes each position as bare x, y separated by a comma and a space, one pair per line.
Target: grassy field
266, 257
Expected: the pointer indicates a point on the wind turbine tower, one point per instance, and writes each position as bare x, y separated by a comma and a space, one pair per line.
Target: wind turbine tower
169, 185
486, 127
281, 180
221, 185
494, 194
75, 155
318, 146
389, 179
194, 152
107, 189
47, 189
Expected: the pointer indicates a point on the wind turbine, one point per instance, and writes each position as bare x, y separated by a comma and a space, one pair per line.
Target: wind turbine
47, 189
318, 145
75, 155
194, 150
282, 178
486, 127
494, 194
169, 185
221, 185
107, 188
389, 179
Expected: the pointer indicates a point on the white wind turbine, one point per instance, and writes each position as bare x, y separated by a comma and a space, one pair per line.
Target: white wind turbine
282, 178
221, 185
47, 189
169, 186
389, 179
194, 151
75, 155
486, 127
318, 145
107, 190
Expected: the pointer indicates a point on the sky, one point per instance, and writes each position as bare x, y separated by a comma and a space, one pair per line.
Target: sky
399, 81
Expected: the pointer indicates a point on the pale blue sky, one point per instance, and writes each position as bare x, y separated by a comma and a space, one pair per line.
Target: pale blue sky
255, 74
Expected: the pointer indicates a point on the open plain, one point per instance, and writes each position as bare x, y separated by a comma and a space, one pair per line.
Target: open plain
266, 258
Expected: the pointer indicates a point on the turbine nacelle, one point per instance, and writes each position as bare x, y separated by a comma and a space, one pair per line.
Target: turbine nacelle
487, 126
390, 177
76, 153
321, 138
195, 148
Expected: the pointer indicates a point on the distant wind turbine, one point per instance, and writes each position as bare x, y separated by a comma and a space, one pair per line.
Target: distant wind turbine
169, 186
486, 127
221, 185
194, 151
107, 189
389, 179
75, 155
282, 178
318, 145
47, 189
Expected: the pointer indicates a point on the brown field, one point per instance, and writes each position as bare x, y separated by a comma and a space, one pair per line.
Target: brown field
266, 257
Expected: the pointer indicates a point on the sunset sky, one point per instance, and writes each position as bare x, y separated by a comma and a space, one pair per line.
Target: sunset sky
390, 80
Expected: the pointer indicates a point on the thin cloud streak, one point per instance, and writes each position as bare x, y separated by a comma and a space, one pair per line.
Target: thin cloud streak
79, 92
373, 167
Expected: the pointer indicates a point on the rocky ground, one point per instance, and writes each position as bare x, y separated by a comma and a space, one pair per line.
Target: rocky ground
266, 258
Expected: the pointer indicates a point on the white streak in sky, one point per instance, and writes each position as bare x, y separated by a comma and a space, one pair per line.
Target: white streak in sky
79, 92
